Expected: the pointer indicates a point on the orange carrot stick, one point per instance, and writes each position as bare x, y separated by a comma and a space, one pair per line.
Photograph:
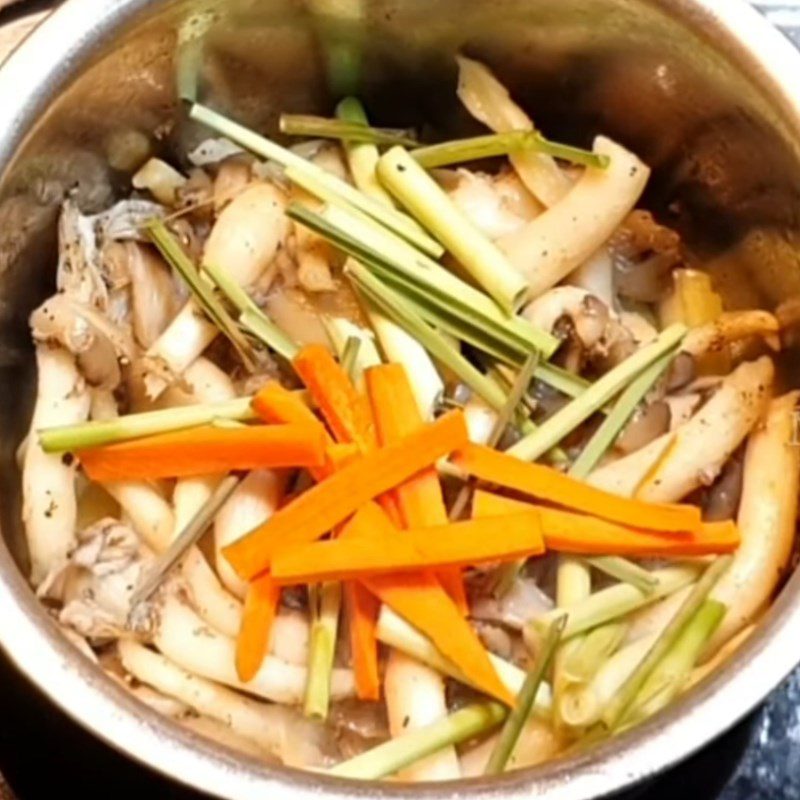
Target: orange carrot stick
325, 505
362, 609
344, 408
205, 450
252, 644
419, 499
382, 549
552, 486
567, 532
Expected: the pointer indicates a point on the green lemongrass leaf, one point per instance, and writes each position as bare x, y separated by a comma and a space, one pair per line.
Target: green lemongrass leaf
593, 649
202, 291
324, 128
325, 603
315, 180
134, 426
563, 422
555, 377
362, 157
618, 706
408, 748
616, 601
503, 144
251, 316
340, 331
626, 571
394, 307
671, 673
349, 358
516, 720
408, 182
614, 423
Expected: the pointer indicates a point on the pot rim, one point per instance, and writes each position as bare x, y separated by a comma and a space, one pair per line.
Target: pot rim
50, 57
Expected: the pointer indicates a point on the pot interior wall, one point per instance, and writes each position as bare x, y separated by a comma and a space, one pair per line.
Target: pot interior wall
726, 168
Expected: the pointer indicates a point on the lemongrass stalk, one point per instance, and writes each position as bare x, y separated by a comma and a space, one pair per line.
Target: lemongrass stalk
251, 316
503, 144
616, 709
349, 357
133, 426
594, 648
554, 376
362, 157
516, 720
563, 422
408, 182
394, 306
626, 571
616, 601
316, 127
401, 347
396, 754
672, 673
340, 27
374, 246
340, 331
321, 184
624, 408
325, 602
202, 292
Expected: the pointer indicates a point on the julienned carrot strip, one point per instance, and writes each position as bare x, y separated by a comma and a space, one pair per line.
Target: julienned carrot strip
325, 505
252, 644
279, 406
344, 408
362, 609
338, 456
419, 499
567, 532
381, 549
206, 450
547, 484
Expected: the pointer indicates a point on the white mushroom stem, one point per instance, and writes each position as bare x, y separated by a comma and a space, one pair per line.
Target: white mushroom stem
415, 698
254, 501
673, 465
554, 244
731, 327
219, 733
150, 514
251, 719
596, 276
243, 241
49, 506
182, 636
767, 515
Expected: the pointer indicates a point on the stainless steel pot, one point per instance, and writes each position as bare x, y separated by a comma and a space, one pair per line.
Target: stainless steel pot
704, 90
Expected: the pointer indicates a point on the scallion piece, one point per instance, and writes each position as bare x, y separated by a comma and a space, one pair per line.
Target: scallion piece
626, 571
616, 709
320, 183
613, 424
521, 712
325, 603
396, 754
324, 128
408, 182
503, 144
133, 426
563, 422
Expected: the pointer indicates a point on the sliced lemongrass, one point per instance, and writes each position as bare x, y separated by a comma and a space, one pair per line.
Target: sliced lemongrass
188, 537
504, 418
502, 144
624, 408
672, 673
393, 305
340, 331
316, 127
364, 239
396, 754
325, 603
593, 649
516, 720
554, 376
626, 571
251, 316
315, 180
202, 291
362, 157
563, 422
614, 712
419, 193
134, 426
349, 358
616, 601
